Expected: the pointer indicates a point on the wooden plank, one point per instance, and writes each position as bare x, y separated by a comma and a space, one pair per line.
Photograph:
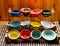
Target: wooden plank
35, 4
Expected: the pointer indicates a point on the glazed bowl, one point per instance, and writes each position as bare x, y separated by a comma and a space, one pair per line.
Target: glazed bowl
14, 24
48, 35
13, 34
25, 34
15, 12
47, 25
25, 11
36, 34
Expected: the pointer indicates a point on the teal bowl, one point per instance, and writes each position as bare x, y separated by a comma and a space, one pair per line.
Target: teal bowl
48, 35
36, 34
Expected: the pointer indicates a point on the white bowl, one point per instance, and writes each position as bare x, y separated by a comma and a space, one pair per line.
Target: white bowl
47, 25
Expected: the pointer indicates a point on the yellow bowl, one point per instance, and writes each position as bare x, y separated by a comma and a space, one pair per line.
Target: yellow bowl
13, 34
35, 24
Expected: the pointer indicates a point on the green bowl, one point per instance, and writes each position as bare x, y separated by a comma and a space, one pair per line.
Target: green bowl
48, 35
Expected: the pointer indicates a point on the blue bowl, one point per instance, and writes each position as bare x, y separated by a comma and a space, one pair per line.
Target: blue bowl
15, 24
48, 35
15, 12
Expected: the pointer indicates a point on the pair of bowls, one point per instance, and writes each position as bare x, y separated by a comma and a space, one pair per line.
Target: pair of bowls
15, 34
35, 34
46, 34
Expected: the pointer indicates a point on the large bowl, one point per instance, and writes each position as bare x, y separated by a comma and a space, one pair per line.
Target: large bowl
48, 35
15, 24
36, 34
15, 12
25, 34
13, 34
47, 25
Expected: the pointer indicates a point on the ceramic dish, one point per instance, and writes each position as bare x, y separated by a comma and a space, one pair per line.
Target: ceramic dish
48, 35
36, 34
25, 11
15, 24
35, 24
46, 13
15, 12
24, 23
25, 34
47, 25
13, 34
36, 12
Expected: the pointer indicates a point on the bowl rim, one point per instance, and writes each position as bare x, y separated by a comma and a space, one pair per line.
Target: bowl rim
11, 31
48, 39
34, 37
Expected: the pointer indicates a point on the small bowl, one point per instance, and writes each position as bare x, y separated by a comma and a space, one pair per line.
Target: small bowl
24, 23
15, 12
25, 11
46, 13
36, 12
25, 34
47, 25
14, 24
13, 34
48, 35
36, 34
35, 24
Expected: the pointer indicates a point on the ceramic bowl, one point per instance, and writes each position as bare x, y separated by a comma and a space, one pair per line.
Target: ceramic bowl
13, 34
36, 34
15, 24
48, 35
15, 12
47, 25
25, 34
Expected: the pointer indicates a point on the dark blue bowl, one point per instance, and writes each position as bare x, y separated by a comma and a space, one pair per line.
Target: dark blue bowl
15, 12
15, 24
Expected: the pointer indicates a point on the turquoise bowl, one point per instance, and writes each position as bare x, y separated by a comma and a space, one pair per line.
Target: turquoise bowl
15, 24
48, 35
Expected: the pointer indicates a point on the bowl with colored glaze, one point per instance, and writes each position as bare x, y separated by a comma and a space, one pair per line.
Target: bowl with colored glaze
15, 12
48, 35
36, 34
25, 34
13, 34
14, 24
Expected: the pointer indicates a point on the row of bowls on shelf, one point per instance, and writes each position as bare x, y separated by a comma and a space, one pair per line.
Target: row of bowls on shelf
34, 34
27, 11
44, 24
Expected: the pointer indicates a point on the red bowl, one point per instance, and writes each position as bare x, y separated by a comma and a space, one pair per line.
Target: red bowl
36, 12
25, 34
